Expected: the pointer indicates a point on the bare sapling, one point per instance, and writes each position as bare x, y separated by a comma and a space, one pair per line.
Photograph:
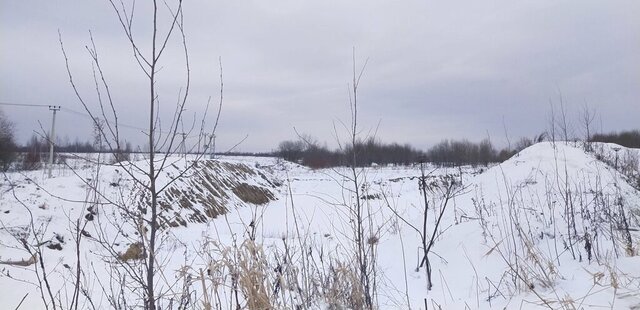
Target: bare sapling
364, 238
587, 116
444, 189
144, 223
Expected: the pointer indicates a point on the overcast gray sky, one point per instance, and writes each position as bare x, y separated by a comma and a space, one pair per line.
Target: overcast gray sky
437, 69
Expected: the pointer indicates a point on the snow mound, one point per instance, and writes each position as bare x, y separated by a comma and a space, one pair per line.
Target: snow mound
552, 227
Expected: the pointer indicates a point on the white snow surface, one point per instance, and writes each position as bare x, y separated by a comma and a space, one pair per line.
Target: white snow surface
510, 217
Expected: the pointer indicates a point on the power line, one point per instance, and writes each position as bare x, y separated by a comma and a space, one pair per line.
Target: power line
26, 105
120, 124
86, 115
68, 110
109, 122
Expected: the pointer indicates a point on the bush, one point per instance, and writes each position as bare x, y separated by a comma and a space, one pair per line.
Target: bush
291, 150
120, 155
7, 143
32, 158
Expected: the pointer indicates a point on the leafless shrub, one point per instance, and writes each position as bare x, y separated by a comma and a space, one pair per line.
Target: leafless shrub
140, 211
7, 143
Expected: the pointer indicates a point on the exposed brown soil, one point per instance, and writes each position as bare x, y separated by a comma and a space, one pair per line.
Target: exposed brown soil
253, 194
210, 190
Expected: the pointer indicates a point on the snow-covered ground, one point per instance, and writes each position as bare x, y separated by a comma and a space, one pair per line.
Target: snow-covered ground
552, 227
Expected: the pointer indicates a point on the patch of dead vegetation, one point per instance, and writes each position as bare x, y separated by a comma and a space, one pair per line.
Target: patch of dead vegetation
209, 191
253, 194
134, 252
21, 263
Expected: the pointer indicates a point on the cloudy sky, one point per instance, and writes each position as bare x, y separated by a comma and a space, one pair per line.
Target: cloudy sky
436, 69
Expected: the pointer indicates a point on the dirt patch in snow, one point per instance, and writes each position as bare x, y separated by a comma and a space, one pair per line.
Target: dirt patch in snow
253, 194
212, 189
135, 251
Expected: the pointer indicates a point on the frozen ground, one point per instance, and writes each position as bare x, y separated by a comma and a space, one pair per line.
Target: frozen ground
553, 227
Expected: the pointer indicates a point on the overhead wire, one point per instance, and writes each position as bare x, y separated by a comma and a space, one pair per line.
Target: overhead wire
86, 115
25, 104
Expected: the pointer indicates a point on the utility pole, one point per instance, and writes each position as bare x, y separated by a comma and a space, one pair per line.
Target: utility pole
207, 143
52, 135
213, 148
183, 147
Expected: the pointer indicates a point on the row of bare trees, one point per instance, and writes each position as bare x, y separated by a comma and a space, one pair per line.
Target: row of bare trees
309, 152
625, 138
65, 146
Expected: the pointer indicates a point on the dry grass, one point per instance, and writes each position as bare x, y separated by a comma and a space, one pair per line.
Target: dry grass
343, 289
135, 251
208, 192
253, 194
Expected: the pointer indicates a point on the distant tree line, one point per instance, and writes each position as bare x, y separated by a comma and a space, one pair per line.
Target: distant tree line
32, 154
464, 152
240, 153
307, 151
625, 138
39, 143
372, 151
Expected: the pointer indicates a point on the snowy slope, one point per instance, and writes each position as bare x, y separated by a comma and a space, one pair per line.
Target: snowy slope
515, 237
99, 201
537, 214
